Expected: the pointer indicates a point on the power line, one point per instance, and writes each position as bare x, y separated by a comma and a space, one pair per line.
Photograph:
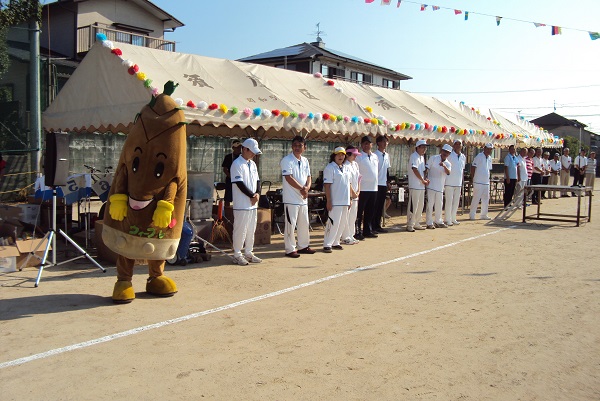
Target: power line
507, 91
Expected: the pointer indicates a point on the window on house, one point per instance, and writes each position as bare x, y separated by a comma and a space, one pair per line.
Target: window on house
356, 76
388, 83
337, 73
368, 78
324, 70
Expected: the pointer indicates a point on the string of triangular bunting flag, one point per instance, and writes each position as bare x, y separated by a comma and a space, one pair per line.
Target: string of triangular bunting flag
556, 30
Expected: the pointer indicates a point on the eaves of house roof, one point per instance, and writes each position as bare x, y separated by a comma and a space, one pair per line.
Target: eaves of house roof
304, 51
170, 22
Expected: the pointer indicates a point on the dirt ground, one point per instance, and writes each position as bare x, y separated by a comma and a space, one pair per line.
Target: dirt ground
480, 311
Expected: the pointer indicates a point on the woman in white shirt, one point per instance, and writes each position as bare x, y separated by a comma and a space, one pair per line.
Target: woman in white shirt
352, 165
336, 181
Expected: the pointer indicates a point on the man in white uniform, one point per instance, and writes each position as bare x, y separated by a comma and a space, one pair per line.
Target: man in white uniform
416, 187
480, 176
368, 165
246, 183
295, 170
554, 173
382, 182
438, 168
565, 171
350, 163
454, 182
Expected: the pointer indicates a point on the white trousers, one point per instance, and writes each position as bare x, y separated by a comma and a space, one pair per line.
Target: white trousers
350, 228
434, 202
417, 201
481, 193
589, 180
564, 180
296, 218
452, 195
553, 180
335, 226
244, 226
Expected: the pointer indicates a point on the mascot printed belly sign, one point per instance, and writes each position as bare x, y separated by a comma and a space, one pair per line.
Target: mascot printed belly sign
147, 197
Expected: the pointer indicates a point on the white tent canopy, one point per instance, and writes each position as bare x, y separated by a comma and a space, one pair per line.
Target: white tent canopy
227, 98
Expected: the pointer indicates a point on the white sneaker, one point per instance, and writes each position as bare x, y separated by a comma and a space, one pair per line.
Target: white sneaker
410, 229
449, 223
455, 222
485, 218
240, 260
252, 259
349, 241
419, 227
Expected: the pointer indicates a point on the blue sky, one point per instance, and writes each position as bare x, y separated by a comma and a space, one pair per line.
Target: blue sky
447, 56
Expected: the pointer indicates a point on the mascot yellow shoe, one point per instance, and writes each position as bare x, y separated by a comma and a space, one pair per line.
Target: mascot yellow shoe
123, 292
161, 286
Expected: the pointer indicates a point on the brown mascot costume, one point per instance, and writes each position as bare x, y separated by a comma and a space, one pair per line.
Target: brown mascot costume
147, 198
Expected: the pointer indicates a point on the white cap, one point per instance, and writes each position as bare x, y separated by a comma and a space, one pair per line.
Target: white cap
458, 141
421, 142
251, 144
489, 145
447, 148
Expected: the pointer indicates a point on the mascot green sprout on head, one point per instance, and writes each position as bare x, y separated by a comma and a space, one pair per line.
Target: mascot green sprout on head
147, 198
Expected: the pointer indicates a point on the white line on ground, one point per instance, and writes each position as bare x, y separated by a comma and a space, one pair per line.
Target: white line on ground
169, 322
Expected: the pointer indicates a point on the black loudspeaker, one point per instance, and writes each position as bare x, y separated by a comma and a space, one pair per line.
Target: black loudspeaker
56, 162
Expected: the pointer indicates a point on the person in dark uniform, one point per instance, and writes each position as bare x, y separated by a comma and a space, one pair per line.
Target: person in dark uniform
236, 147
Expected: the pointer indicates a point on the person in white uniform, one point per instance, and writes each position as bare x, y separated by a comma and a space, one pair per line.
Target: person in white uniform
416, 187
336, 181
383, 158
438, 168
246, 184
554, 174
565, 171
480, 176
295, 170
522, 176
368, 165
454, 182
590, 172
352, 166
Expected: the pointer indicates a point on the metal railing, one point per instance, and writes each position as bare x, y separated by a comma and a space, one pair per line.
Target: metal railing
86, 36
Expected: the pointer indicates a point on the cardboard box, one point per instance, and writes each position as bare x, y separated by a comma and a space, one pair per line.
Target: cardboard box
21, 250
25, 247
8, 258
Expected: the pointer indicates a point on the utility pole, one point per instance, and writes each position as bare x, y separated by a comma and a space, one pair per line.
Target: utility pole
34, 93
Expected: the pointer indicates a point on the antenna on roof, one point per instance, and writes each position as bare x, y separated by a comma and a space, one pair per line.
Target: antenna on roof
319, 33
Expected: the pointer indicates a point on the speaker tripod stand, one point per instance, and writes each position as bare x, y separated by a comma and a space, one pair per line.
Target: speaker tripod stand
50, 238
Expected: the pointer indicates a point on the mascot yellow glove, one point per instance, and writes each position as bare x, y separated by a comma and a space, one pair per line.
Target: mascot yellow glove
162, 214
118, 206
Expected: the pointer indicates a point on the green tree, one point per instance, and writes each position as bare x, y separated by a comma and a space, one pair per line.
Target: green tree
574, 145
15, 12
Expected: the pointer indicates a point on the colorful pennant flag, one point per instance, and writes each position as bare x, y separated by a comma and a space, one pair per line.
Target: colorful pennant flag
556, 30
456, 12
466, 15
423, 7
498, 19
399, 2
435, 8
594, 35
537, 24
386, 2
